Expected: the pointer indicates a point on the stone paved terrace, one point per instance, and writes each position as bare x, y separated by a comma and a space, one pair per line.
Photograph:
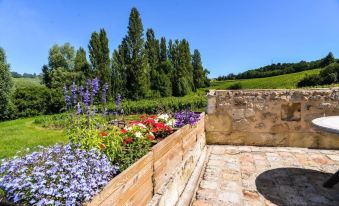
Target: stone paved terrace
248, 175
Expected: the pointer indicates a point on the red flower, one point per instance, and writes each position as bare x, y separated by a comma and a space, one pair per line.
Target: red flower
123, 131
102, 146
154, 129
153, 116
151, 137
128, 140
103, 134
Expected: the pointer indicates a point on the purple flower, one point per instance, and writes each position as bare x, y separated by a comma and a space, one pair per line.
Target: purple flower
186, 117
118, 101
74, 93
67, 97
86, 98
59, 175
81, 91
79, 109
104, 93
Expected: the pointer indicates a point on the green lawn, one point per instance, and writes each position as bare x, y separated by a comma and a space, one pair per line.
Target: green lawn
286, 81
17, 135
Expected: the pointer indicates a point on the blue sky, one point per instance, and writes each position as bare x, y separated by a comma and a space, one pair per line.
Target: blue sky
232, 35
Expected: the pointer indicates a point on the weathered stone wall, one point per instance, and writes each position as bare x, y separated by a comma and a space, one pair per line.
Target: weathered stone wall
271, 117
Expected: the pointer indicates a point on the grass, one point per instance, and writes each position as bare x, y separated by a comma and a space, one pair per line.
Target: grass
17, 135
286, 81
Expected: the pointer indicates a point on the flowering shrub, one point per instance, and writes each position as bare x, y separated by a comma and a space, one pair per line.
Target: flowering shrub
59, 175
186, 117
158, 126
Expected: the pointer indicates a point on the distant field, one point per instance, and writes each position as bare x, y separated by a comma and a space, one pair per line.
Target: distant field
286, 81
23, 82
17, 135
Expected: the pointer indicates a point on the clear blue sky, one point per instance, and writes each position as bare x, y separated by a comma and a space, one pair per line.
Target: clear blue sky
232, 36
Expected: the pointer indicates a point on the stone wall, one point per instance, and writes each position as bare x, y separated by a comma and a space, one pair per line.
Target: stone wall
271, 117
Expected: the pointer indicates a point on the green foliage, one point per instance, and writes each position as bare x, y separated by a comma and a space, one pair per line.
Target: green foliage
36, 100
192, 102
199, 75
99, 56
132, 152
82, 66
137, 71
280, 69
329, 59
310, 80
6, 85
56, 121
235, 86
329, 75
90, 132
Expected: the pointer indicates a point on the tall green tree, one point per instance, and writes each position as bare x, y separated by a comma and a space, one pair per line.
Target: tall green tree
137, 73
99, 56
46, 76
180, 55
61, 56
163, 50
119, 68
60, 69
82, 66
6, 85
198, 70
153, 54
329, 59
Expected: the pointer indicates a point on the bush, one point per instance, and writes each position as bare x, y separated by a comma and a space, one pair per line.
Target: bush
59, 175
310, 80
193, 102
37, 100
235, 86
57, 121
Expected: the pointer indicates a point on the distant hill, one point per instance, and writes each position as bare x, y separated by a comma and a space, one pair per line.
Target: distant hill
286, 81
281, 68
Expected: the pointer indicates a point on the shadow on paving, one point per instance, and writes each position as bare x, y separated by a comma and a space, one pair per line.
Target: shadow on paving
296, 186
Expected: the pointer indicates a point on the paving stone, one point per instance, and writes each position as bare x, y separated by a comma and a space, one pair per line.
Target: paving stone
251, 176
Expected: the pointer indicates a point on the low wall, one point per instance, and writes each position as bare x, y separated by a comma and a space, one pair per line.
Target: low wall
271, 117
160, 177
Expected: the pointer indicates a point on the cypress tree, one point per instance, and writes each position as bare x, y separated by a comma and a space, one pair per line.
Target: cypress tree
183, 80
198, 70
152, 51
46, 76
163, 50
138, 82
119, 67
99, 56
6, 85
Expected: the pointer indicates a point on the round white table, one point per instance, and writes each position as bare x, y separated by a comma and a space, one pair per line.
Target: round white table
329, 124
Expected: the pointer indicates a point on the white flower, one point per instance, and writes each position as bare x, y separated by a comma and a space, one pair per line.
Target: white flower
163, 117
138, 134
170, 122
141, 125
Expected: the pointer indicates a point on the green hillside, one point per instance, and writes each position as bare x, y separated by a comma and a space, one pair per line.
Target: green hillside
286, 81
23, 82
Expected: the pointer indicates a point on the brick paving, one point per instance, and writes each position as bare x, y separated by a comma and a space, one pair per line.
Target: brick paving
246, 176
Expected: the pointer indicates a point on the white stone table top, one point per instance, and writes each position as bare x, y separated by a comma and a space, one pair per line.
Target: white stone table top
330, 123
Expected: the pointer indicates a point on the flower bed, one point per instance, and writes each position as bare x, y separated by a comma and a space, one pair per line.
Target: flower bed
73, 174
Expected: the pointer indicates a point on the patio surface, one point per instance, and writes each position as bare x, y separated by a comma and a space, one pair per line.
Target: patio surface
246, 175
